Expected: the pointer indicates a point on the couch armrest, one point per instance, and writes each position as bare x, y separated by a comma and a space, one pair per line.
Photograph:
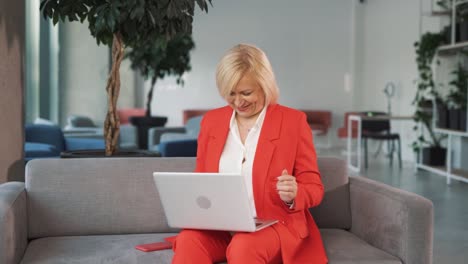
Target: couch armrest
13, 222
154, 134
396, 221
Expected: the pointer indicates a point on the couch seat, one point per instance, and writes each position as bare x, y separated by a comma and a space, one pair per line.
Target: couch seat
341, 246
344, 247
96, 249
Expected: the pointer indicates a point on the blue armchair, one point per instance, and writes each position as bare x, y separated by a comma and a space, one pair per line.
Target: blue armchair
176, 141
178, 148
45, 141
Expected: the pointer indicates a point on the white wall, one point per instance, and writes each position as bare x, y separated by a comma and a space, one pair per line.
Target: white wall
386, 33
307, 43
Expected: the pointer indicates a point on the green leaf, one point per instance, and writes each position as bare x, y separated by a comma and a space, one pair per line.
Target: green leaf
43, 3
110, 22
55, 18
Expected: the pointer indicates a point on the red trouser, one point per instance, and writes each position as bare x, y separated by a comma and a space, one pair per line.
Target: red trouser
204, 246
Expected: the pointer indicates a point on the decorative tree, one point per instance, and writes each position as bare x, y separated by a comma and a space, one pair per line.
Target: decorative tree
157, 58
124, 23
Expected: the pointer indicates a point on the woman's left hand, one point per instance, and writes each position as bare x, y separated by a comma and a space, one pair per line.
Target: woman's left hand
287, 187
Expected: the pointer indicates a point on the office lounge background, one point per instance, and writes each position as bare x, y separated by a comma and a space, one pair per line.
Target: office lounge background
333, 55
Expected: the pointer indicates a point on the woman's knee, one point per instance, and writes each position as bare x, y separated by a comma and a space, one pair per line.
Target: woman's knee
188, 237
207, 239
204, 246
241, 243
258, 247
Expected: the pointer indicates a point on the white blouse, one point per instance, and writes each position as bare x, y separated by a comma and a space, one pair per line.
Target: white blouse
237, 157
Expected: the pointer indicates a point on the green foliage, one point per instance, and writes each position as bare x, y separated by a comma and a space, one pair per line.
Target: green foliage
159, 57
135, 20
458, 94
425, 51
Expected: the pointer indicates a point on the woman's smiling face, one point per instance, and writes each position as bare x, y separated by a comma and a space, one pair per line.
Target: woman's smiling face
247, 98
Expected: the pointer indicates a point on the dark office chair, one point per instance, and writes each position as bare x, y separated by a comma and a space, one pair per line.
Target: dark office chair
379, 130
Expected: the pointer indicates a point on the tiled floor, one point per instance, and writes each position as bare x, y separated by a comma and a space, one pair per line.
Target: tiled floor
450, 202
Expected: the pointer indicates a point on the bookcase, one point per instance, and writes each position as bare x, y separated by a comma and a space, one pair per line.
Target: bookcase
453, 55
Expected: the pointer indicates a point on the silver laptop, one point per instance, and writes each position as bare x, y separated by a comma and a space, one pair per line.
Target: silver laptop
213, 201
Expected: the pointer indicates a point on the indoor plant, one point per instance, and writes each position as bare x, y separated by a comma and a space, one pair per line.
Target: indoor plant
155, 59
457, 98
124, 23
426, 94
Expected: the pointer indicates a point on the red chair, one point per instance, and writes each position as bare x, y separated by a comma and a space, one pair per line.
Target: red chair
320, 122
343, 131
126, 113
189, 113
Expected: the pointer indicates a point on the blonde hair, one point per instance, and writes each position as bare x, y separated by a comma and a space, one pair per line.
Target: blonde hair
245, 59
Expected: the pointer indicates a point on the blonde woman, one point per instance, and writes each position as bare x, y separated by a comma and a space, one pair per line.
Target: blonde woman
271, 146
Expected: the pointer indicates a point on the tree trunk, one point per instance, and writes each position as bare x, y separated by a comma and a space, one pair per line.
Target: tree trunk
149, 98
112, 123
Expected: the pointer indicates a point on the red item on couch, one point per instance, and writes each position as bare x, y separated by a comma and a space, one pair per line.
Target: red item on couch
171, 239
157, 245
154, 246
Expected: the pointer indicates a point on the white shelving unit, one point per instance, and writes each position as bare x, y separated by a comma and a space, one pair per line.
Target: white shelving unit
453, 48
447, 50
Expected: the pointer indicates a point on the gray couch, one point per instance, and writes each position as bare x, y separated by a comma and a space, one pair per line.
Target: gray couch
97, 210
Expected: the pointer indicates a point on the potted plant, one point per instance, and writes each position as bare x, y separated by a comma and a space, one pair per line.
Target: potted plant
155, 59
426, 94
457, 98
121, 24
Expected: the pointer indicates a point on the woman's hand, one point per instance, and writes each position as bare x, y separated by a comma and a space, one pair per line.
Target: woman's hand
287, 187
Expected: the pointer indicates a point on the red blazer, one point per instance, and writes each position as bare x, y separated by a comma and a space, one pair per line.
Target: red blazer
285, 142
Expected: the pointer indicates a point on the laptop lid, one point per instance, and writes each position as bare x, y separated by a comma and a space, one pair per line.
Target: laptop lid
214, 201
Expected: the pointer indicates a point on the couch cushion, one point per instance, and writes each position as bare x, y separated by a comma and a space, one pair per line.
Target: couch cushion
178, 147
96, 249
341, 247
335, 210
344, 247
68, 197
47, 134
118, 195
